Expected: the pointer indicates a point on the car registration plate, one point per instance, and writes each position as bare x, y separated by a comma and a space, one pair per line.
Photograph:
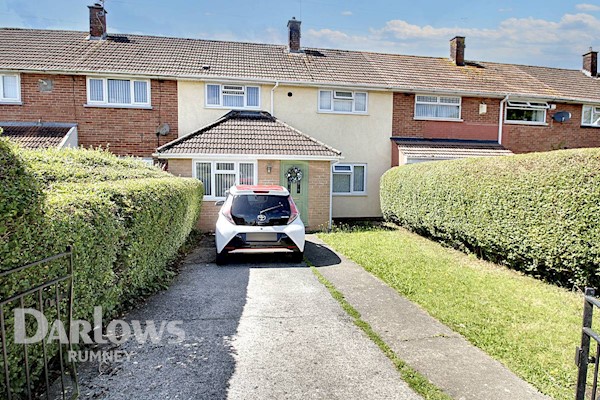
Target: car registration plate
261, 237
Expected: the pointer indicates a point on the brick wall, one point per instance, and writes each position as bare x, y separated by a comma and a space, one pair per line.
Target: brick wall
126, 131
517, 138
318, 194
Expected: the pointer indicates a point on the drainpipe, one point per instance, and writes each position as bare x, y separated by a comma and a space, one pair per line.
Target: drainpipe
272, 95
501, 118
330, 224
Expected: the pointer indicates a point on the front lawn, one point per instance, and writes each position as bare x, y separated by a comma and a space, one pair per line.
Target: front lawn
528, 325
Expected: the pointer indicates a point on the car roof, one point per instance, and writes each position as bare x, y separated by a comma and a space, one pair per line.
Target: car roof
259, 189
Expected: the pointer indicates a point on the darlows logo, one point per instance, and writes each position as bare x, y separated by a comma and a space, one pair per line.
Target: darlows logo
83, 332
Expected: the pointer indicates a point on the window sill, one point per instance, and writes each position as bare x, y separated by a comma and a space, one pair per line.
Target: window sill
136, 107
531, 123
233, 108
10, 103
343, 113
590, 126
362, 194
439, 119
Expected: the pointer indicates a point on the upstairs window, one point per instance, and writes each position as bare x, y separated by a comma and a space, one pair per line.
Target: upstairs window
342, 101
349, 179
10, 88
118, 92
232, 96
590, 116
526, 112
437, 107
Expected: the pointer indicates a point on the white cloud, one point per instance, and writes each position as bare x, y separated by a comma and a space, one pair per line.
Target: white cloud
587, 7
513, 40
346, 13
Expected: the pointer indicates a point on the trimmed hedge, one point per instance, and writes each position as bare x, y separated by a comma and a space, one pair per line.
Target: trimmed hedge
538, 213
125, 220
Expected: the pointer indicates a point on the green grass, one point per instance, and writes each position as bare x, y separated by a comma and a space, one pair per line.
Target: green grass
528, 325
414, 379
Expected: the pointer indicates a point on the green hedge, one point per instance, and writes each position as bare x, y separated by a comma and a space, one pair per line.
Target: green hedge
538, 213
124, 231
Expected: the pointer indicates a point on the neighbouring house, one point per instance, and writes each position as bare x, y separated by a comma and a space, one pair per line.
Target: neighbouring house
224, 111
41, 135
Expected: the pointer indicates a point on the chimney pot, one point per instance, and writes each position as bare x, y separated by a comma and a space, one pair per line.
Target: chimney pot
294, 35
590, 63
97, 22
457, 50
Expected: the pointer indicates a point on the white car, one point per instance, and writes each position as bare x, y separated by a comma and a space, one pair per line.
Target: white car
259, 219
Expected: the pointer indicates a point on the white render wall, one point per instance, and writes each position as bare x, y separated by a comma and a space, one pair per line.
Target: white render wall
360, 138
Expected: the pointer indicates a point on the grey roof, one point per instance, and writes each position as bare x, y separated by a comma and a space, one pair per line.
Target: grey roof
444, 149
248, 133
69, 51
36, 136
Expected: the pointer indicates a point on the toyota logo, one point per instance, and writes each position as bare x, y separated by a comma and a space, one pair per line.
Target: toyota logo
261, 218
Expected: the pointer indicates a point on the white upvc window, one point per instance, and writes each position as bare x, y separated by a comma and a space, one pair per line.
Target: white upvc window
526, 112
232, 96
590, 115
219, 176
443, 108
342, 101
349, 179
10, 88
117, 92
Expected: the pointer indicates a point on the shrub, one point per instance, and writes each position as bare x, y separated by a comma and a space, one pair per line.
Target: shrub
538, 213
124, 219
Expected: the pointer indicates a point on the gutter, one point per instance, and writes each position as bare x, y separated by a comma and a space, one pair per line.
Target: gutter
273, 94
501, 118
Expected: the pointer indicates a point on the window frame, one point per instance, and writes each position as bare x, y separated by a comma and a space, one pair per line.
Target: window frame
106, 103
352, 192
7, 100
439, 103
213, 171
594, 108
220, 105
526, 105
333, 97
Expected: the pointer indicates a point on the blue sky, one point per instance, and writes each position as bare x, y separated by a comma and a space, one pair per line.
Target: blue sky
550, 32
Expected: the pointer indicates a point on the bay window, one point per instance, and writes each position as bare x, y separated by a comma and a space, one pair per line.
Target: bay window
590, 116
437, 107
526, 112
232, 96
342, 101
349, 179
118, 92
10, 88
219, 176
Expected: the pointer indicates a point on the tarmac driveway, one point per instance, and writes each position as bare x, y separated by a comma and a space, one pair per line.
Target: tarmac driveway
259, 328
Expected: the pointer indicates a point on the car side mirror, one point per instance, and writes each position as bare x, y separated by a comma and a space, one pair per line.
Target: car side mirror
220, 203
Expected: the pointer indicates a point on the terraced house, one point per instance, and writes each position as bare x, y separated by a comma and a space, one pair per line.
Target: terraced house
325, 123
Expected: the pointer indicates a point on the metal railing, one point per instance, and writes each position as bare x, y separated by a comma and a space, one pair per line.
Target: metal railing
39, 294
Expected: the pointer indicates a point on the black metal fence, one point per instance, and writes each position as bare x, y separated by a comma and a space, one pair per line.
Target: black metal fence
582, 355
45, 297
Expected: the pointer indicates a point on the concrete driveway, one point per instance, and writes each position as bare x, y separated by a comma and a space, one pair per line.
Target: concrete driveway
259, 328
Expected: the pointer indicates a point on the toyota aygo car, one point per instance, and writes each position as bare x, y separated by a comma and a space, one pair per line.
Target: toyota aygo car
259, 219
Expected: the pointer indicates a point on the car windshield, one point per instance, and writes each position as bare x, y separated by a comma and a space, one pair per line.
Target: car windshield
272, 209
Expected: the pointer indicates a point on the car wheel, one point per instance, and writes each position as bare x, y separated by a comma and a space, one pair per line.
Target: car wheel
298, 257
221, 258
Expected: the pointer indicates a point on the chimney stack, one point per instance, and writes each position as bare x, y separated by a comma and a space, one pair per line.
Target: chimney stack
294, 35
590, 63
97, 22
457, 50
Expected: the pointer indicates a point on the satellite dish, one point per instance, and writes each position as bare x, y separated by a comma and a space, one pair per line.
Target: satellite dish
562, 116
163, 129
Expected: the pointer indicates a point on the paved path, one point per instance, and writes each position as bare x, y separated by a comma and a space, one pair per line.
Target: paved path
254, 330
446, 358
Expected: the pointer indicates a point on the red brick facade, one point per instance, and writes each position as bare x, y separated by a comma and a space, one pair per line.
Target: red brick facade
126, 131
517, 138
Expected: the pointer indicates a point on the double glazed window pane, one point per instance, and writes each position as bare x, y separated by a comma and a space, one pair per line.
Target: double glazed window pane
234, 101
246, 174
119, 91
140, 91
96, 90
222, 183
436, 111
325, 100
203, 172
341, 183
253, 96
360, 102
525, 115
359, 178
9, 87
342, 105
213, 95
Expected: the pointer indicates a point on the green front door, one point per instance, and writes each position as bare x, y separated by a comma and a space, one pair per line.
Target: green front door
298, 188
